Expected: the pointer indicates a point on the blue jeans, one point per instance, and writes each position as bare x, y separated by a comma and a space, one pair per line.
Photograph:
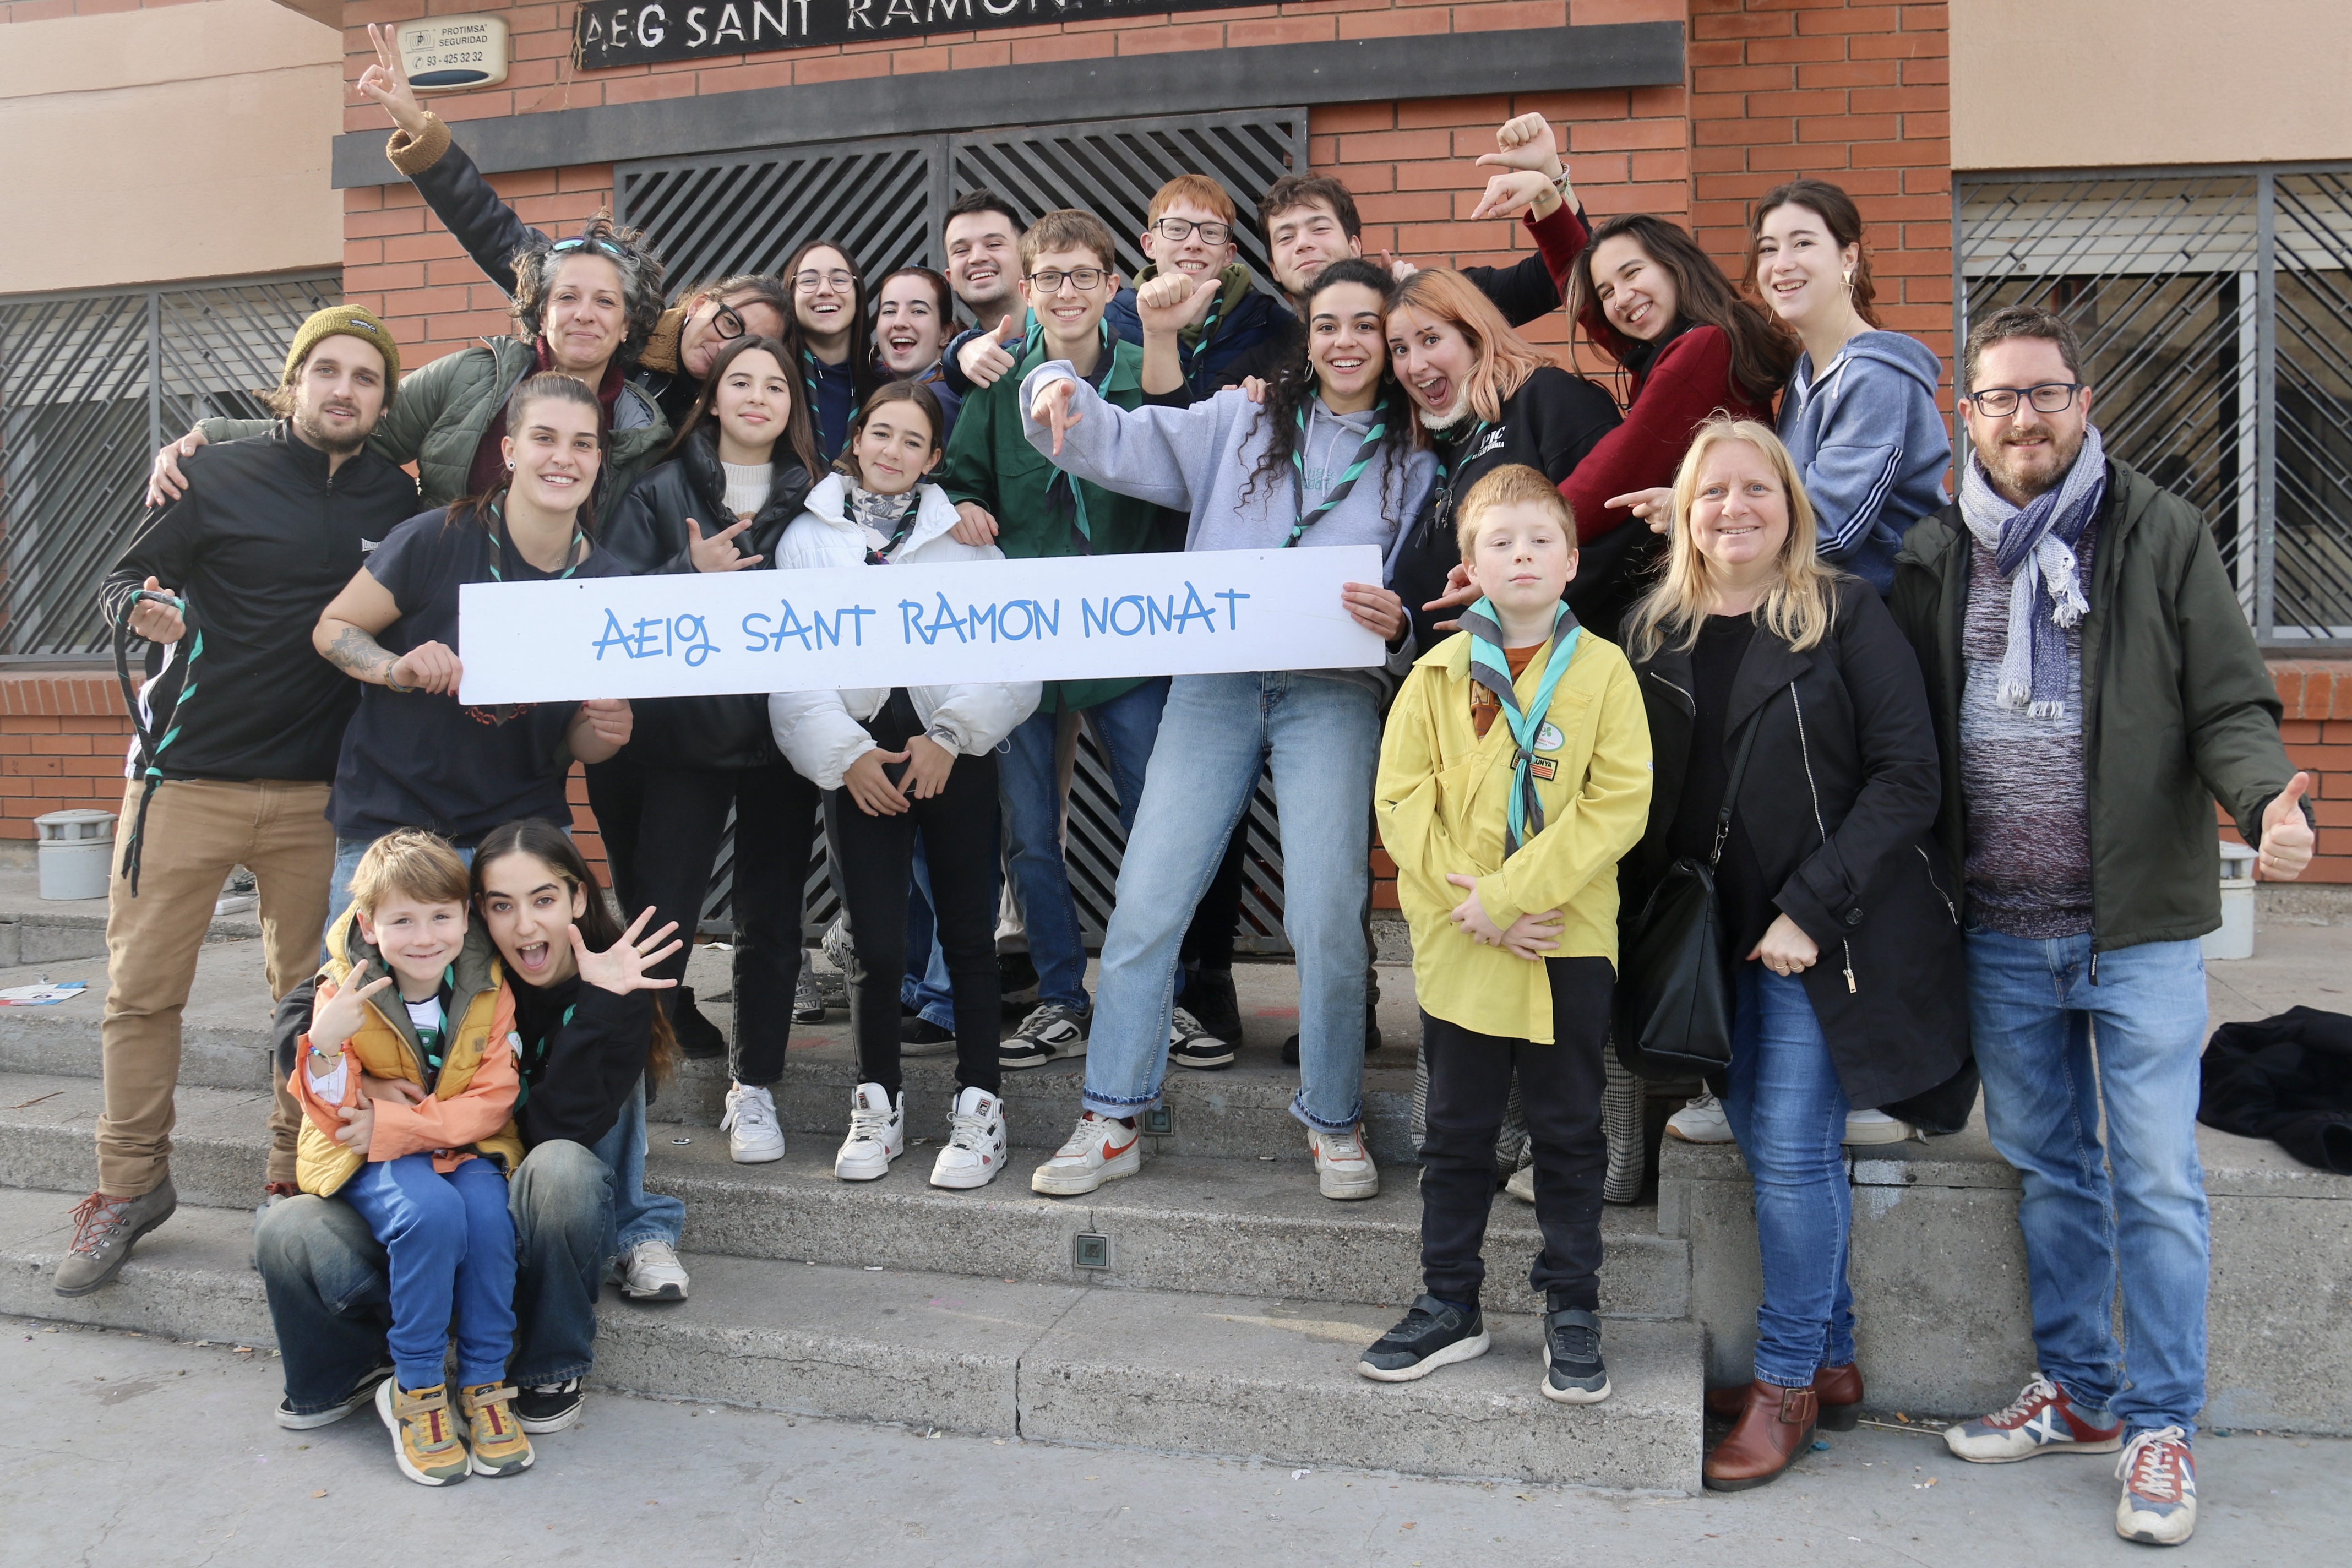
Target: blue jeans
449, 1242
2052, 1047
1323, 736
1788, 1114
637, 1214
1127, 728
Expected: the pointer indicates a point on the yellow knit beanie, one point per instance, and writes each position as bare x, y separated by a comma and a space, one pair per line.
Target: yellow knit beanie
351, 321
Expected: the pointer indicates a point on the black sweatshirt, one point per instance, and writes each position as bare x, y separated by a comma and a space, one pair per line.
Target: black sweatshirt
261, 543
1550, 424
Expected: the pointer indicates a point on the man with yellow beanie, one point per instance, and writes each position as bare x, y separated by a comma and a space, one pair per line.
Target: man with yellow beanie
238, 726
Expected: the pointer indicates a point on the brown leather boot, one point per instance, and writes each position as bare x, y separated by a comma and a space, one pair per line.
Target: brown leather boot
1773, 1430
1838, 1390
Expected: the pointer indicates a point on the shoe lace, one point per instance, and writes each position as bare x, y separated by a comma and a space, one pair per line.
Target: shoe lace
95, 1218
751, 1110
968, 1130
2036, 1393
1704, 1100
1348, 1145
2150, 1464
1042, 1018
653, 1253
868, 1125
1081, 1137
1187, 1027
1573, 1342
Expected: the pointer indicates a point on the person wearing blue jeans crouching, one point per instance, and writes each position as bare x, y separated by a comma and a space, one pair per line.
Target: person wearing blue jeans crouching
2095, 690
590, 1034
1329, 460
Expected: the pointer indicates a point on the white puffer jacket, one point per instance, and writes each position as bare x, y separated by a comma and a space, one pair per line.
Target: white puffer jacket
822, 732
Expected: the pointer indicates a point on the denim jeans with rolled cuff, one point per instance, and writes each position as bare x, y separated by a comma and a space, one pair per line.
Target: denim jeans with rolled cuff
1322, 736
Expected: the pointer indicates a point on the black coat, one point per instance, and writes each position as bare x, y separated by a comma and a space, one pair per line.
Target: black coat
1839, 802
2287, 1078
648, 534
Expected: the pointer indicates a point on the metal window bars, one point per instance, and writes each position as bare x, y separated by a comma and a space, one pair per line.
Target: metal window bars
2215, 308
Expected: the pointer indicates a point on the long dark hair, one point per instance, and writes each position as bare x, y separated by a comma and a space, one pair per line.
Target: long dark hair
864, 377
1839, 215
1295, 387
798, 438
915, 392
483, 511
1761, 350
552, 848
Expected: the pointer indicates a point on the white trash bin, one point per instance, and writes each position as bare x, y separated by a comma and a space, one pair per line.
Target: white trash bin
76, 853
2236, 937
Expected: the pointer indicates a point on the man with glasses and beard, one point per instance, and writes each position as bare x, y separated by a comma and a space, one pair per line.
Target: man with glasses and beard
2095, 690
239, 727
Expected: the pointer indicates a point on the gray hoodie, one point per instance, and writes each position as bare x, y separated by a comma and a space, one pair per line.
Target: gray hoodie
1199, 459
1872, 442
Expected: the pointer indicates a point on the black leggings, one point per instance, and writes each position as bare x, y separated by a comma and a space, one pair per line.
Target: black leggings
1560, 1086
873, 865
662, 827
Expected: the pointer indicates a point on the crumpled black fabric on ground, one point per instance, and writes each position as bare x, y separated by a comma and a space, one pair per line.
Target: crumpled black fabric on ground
2288, 1079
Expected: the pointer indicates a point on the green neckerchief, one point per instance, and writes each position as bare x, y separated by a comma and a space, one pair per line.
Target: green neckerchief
500, 544
1032, 340
1492, 669
1365, 451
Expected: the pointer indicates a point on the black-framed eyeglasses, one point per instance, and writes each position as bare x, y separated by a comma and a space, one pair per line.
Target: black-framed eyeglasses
1085, 279
1179, 229
726, 325
2048, 397
809, 282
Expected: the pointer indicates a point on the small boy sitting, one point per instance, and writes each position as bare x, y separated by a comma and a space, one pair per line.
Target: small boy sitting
408, 1102
1515, 771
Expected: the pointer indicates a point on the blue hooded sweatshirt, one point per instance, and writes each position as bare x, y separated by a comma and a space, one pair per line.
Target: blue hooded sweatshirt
1871, 441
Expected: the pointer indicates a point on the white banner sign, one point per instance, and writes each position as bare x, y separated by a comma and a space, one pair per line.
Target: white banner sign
1072, 618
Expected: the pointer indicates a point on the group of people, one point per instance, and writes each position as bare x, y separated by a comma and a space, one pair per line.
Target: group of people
1945, 761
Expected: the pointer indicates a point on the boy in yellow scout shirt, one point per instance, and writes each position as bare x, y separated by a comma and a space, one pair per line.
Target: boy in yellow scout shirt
1515, 771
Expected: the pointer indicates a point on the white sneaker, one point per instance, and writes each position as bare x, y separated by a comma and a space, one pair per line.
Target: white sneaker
1701, 1122
650, 1271
1099, 1150
1522, 1184
974, 1151
752, 1136
877, 1135
2159, 1476
1874, 1127
1342, 1164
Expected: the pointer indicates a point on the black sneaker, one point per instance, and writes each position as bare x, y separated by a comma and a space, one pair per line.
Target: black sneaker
1574, 1373
550, 1407
1431, 1335
362, 1394
1208, 997
1050, 1030
699, 1039
1191, 1046
1016, 981
918, 1037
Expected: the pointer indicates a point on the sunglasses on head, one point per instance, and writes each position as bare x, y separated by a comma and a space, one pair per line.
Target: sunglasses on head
605, 245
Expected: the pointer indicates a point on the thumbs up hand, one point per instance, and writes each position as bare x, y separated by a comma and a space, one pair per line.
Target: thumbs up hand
2287, 839
984, 359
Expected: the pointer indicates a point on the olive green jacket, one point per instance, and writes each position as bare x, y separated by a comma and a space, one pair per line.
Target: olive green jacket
2178, 710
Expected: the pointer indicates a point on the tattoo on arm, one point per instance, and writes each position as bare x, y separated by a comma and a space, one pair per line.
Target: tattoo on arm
361, 656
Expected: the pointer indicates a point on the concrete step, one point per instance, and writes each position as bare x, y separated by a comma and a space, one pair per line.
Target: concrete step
1215, 1374
1238, 1226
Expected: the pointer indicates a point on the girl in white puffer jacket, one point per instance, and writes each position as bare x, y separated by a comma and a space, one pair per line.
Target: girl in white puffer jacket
895, 759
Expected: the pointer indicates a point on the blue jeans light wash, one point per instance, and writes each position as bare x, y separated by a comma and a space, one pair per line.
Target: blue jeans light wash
1127, 728
1788, 1114
2053, 1046
637, 1214
1323, 736
449, 1243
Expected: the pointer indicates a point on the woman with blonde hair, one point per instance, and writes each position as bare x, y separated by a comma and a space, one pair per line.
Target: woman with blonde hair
1795, 753
1487, 397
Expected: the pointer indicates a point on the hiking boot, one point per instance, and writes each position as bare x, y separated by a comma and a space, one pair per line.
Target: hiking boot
105, 1229
1099, 1150
363, 1392
1700, 1121
549, 1406
1208, 997
699, 1039
2041, 1420
974, 1151
1191, 1046
1051, 1031
492, 1431
1573, 1372
1343, 1166
423, 1432
1430, 1335
2159, 1476
918, 1037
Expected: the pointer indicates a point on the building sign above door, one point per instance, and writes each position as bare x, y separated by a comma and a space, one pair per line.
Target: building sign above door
638, 32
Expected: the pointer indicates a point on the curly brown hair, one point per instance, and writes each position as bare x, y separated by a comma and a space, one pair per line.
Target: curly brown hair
536, 263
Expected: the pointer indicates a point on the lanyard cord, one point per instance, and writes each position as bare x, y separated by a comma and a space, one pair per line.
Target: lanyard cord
151, 749
1031, 343
1446, 474
1365, 451
499, 538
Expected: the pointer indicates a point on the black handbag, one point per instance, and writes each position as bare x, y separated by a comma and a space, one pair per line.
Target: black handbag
1674, 993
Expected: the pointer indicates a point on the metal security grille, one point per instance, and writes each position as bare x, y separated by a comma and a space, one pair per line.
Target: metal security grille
2215, 307
90, 386
883, 199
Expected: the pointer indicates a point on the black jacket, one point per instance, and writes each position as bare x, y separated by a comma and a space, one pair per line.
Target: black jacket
1839, 800
2178, 710
262, 540
647, 532
2287, 1078
1549, 424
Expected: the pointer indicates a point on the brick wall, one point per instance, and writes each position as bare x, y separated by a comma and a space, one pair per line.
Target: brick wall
2317, 695
62, 739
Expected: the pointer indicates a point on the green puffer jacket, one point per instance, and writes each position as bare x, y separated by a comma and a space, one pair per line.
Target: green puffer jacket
2178, 707
437, 420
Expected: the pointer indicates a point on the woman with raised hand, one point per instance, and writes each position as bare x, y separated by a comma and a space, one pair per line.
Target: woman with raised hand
1781, 690
893, 761
838, 367
1860, 415
736, 479
1332, 457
